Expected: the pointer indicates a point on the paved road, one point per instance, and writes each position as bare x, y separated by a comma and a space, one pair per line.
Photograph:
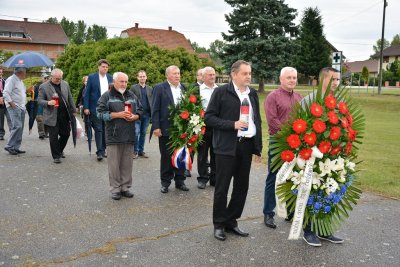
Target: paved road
62, 215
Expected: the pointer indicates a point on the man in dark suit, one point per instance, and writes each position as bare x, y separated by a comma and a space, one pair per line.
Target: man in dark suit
97, 84
167, 94
145, 94
3, 109
234, 141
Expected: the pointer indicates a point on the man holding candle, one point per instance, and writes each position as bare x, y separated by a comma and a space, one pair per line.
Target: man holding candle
58, 111
119, 109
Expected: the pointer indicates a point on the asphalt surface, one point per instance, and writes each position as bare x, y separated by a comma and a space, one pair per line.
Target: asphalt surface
62, 215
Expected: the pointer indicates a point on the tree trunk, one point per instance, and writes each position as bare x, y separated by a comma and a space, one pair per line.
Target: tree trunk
261, 85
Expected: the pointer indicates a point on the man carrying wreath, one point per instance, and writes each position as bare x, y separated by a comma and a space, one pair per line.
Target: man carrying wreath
167, 94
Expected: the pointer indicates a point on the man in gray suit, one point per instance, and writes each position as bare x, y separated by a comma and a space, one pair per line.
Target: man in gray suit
145, 95
58, 111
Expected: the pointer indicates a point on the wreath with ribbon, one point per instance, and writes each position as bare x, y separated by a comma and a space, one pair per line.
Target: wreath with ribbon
315, 152
187, 128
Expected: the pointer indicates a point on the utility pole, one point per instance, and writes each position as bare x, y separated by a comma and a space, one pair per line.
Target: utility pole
381, 55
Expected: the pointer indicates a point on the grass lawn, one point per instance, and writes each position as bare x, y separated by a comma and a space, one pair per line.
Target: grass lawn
380, 151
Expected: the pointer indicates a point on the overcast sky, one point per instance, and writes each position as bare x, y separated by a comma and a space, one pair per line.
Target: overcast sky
352, 26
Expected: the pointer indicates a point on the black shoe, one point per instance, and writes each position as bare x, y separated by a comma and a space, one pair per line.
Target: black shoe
212, 183
41, 137
164, 189
201, 185
57, 160
1, 138
269, 221
99, 157
332, 239
311, 239
182, 187
20, 151
11, 151
187, 173
219, 234
127, 194
143, 155
116, 196
237, 231
63, 155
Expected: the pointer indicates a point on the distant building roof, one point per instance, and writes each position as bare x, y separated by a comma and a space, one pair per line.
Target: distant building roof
357, 66
168, 39
393, 50
32, 32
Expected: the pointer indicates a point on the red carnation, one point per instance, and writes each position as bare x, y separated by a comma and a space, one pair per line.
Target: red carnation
193, 139
332, 117
203, 130
348, 148
183, 136
350, 119
185, 115
310, 139
287, 155
319, 126
343, 108
299, 126
324, 146
351, 134
193, 99
345, 122
317, 110
305, 153
336, 150
190, 150
293, 141
334, 133
202, 113
330, 102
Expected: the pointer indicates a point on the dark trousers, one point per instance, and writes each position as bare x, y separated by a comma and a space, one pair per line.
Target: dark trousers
99, 133
269, 191
167, 171
58, 136
238, 167
202, 159
4, 115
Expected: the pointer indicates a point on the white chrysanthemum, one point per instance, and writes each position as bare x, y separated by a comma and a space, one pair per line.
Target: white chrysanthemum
350, 165
331, 185
326, 167
339, 164
197, 129
194, 119
298, 178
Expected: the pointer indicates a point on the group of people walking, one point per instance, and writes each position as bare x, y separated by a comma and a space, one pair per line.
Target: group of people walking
120, 119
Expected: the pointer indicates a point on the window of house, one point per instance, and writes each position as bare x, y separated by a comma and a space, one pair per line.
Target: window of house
17, 35
386, 59
4, 34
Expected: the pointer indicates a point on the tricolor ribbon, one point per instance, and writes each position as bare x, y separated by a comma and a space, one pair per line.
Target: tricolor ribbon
181, 159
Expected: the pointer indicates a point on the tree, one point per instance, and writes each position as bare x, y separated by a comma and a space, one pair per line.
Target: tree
260, 32
80, 33
53, 20
68, 27
313, 50
377, 48
216, 51
4, 55
99, 32
395, 40
365, 74
197, 48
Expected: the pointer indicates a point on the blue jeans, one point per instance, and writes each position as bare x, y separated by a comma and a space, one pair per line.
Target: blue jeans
269, 192
17, 116
140, 133
99, 133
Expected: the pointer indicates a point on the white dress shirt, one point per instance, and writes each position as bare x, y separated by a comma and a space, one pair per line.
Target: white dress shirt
205, 93
251, 130
103, 83
176, 93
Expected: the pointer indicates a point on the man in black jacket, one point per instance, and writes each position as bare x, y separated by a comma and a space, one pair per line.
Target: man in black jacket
234, 141
119, 109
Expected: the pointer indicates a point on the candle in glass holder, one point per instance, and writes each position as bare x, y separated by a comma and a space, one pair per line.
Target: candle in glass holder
57, 99
128, 106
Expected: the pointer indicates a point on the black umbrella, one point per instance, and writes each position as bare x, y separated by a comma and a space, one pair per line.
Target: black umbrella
89, 133
31, 108
73, 129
